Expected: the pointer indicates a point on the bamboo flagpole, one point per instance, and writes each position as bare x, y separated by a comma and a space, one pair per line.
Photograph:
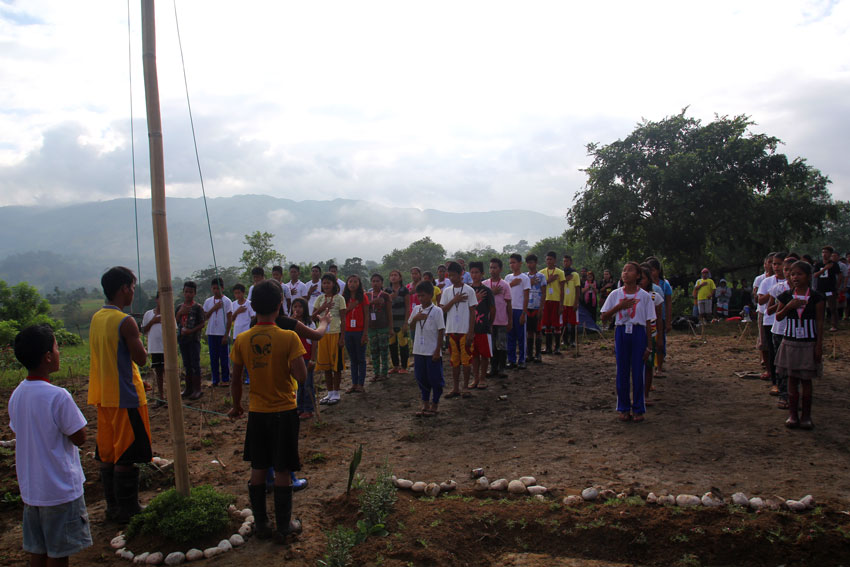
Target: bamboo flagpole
160, 236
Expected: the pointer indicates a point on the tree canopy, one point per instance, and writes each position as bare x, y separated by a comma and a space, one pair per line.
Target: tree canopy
696, 194
260, 252
424, 253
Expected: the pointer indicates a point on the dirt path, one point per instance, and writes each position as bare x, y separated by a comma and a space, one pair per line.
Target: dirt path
708, 429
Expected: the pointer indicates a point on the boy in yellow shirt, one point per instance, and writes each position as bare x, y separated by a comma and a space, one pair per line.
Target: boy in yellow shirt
703, 293
572, 285
275, 359
551, 322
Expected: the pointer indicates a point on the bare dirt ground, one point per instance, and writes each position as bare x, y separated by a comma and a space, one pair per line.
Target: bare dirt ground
708, 429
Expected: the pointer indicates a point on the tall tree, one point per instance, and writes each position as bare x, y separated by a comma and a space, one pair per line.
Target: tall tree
696, 194
424, 253
260, 252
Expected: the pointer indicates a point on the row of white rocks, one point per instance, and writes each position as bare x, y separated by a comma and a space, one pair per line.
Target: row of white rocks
119, 543
523, 485
709, 500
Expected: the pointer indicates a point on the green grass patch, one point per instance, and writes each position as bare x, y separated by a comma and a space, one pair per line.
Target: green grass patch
183, 518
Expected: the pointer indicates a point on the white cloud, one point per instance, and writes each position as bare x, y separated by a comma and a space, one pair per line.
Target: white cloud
457, 106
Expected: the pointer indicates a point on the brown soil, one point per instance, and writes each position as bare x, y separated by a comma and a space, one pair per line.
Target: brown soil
709, 429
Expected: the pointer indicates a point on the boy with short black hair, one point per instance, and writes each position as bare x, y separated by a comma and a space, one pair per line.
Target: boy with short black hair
502, 322
49, 427
573, 283
551, 323
314, 286
520, 290
537, 285
152, 328
217, 312
258, 274
241, 316
334, 269
485, 311
297, 288
457, 301
277, 275
825, 276
427, 359
116, 388
190, 321
275, 358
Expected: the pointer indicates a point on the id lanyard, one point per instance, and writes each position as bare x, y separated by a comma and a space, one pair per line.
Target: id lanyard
421, 324
550, 289
455, 293
372, 310
804, 298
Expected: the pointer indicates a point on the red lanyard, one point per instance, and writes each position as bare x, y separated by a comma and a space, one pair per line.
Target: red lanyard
38, 378
803, 297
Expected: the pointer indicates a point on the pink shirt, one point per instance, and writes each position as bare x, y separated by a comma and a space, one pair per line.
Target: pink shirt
500, 300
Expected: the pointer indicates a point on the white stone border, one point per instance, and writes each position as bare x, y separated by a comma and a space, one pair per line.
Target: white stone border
119, 544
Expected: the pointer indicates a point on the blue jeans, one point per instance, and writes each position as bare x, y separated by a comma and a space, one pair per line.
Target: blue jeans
219, 359
357, 356
516, 338
305, 395
429, 376
629, 349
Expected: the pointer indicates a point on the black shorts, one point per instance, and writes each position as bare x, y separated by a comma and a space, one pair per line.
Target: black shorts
157, 360
271, 440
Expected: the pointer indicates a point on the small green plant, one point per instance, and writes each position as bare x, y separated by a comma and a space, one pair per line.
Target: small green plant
317, 458
688, 560
436, 523
775, 535
635, 501
215, 421
640, 539
338, 551
422, 542
377, 498
206, 442
183, 518
352, 466
679, 538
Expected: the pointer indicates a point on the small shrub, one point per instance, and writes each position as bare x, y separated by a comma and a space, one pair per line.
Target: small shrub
340, 543
183, 518
377, 498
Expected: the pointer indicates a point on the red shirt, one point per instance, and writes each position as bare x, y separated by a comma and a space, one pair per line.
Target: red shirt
355, 314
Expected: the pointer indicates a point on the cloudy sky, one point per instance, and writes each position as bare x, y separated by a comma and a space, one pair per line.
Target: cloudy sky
459, 106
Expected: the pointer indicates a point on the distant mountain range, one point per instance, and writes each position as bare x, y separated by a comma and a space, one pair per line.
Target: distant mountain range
72, 245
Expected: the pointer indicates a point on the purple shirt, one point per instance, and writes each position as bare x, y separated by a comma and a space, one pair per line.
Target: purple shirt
500, 299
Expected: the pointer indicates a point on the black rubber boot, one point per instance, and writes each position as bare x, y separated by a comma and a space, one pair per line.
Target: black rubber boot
538, 343
188, 390
285, 525
548, 344
196, 388
257, 495
107, 479
126, 485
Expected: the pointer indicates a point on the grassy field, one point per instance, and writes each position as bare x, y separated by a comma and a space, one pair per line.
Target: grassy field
74, 366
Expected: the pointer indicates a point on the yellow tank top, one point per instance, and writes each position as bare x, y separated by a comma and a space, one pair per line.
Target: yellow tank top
114, 379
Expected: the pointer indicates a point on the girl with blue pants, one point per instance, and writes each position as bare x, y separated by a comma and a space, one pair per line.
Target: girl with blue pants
632, 309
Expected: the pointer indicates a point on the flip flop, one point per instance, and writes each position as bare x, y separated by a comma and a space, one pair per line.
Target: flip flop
638, 418
466, 394
451, 395
625, 416
481, 387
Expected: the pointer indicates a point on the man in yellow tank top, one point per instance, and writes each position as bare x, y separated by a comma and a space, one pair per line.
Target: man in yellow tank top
116, 388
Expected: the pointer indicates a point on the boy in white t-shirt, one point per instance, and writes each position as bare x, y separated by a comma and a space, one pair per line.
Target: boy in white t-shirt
427, 319
455, 301
217, 310
297, 288
241, 315
767, 321
152, 328
520, 289
49, 427
777, 330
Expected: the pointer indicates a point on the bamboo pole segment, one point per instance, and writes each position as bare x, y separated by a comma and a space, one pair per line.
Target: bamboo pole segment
160, 235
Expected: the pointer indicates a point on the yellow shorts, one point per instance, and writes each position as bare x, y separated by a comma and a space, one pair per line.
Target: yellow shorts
461, 353
123, 435
329, 355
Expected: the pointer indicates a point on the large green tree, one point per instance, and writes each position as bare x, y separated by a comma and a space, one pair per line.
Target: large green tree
694, 193
260, 252
424, 253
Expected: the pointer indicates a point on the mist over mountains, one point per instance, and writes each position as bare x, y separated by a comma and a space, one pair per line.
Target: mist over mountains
71, 246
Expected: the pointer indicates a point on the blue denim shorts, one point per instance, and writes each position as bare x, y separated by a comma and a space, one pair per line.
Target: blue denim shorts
57, 531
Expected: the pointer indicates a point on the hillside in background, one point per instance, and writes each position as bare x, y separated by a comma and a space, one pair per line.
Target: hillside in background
71, 246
